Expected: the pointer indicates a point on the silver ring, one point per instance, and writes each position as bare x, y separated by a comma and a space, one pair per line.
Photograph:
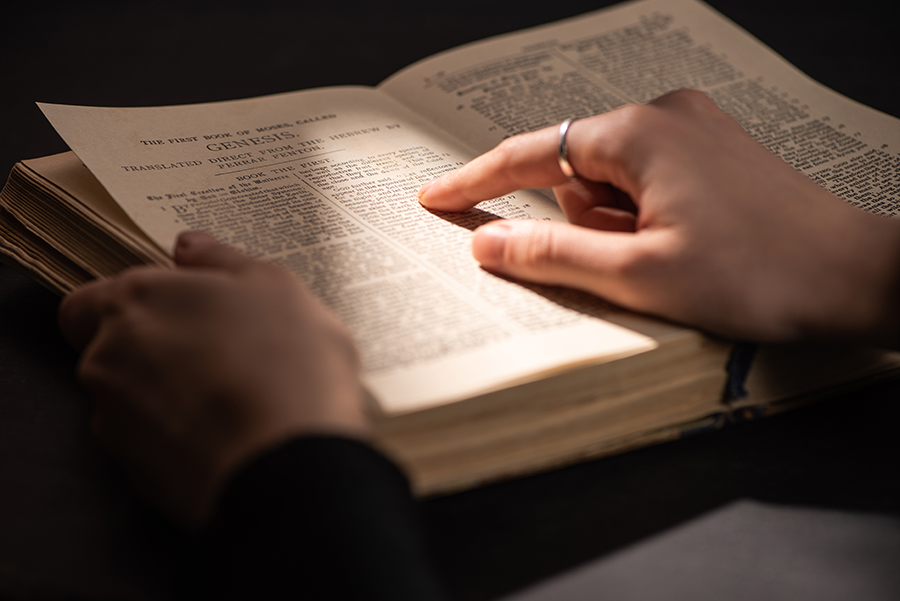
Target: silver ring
563, 155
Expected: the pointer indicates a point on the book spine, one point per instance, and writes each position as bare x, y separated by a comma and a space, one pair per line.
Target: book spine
738, 368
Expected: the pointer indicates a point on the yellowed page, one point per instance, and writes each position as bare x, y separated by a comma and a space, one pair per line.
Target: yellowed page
636, 51
324, 183
65, 172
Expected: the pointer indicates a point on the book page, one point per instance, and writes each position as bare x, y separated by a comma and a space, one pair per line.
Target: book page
91, 202
324, 182
634, 52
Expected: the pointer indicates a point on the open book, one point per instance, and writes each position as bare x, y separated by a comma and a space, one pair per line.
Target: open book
471, 377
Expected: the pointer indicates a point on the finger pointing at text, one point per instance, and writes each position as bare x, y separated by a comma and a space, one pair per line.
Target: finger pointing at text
678, 212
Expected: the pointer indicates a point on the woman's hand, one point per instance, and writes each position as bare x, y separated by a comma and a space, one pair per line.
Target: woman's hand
679, 213
194, 370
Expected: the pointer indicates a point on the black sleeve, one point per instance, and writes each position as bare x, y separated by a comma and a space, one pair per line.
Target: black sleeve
316, 518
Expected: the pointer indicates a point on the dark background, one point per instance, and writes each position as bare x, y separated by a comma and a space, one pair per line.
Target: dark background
70, 526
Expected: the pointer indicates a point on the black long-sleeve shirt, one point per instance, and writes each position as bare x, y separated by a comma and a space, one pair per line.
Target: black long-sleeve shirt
316, 518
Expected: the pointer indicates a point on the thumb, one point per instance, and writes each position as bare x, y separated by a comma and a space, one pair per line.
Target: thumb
558, 254
199, 249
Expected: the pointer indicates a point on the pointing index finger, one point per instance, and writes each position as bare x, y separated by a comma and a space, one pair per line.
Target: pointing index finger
524, 161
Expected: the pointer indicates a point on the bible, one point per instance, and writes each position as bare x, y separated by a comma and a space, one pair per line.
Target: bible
470, 377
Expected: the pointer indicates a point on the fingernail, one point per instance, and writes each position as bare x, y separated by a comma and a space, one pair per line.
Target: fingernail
184, 241
188, 239
424, 190
489, 243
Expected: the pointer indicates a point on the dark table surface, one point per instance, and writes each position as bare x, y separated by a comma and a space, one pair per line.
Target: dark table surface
70, 526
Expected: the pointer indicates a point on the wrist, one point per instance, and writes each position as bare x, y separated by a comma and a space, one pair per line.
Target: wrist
860, 300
